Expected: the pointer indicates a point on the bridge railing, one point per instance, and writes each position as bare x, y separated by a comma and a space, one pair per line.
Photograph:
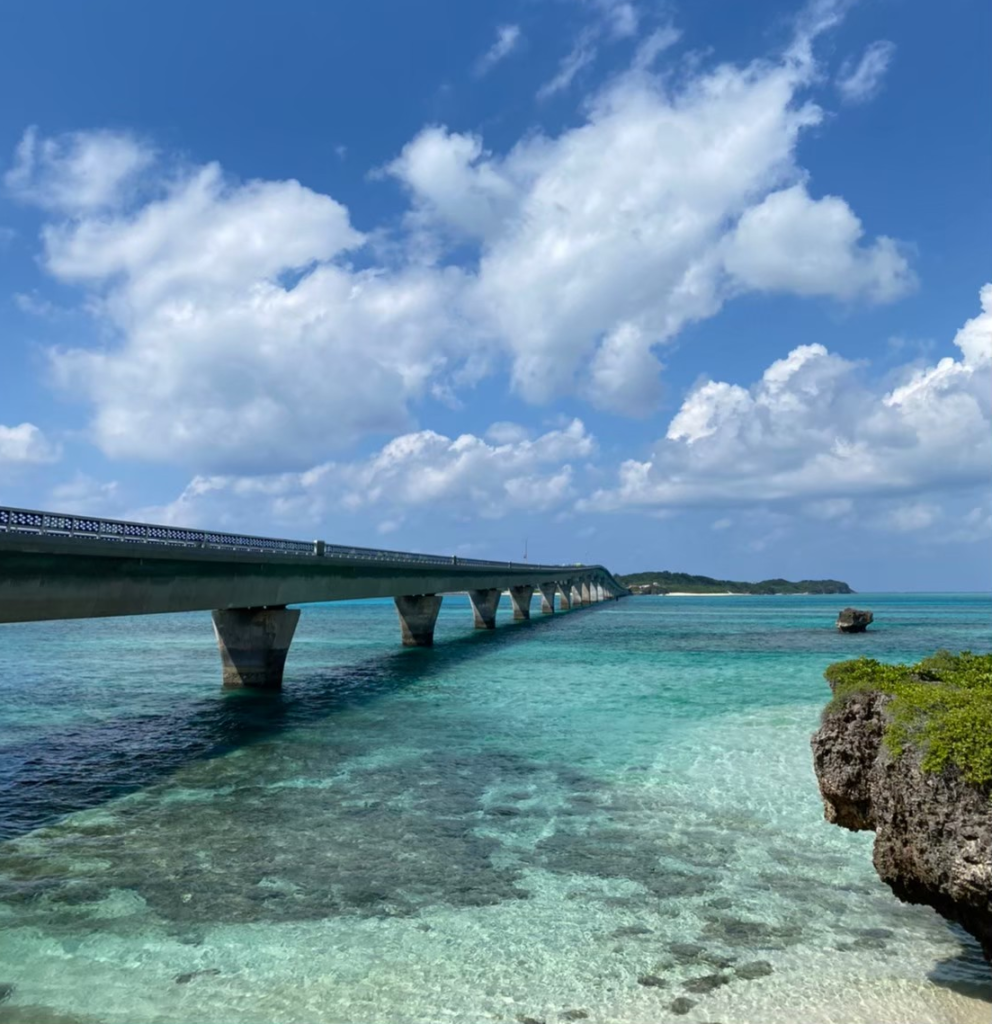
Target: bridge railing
53, 524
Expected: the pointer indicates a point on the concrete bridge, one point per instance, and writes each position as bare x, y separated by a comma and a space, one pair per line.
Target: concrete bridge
72, 567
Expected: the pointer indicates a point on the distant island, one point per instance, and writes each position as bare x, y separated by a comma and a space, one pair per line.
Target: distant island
684, 583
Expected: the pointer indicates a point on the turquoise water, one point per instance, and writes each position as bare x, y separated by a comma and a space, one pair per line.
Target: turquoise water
514, 824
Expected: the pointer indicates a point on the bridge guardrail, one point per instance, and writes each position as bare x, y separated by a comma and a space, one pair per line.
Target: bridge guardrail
30, 521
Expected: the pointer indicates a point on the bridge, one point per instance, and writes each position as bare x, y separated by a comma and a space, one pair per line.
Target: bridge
55, 566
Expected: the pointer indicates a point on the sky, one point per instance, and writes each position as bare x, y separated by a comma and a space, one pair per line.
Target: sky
701, 286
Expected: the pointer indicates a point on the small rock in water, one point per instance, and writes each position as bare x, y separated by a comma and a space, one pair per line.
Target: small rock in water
185, 979
754, 969
877, 933
706, 983
575, 1014
631, 929
681, 1005
686, 951
721, 903
652, 981
524, 1019
718, 960
854, 620
6, 991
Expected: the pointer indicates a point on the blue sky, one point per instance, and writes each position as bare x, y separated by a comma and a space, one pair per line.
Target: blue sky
694, 286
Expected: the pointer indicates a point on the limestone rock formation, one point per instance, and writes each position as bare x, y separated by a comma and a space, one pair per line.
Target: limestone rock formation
933, 830
853, 620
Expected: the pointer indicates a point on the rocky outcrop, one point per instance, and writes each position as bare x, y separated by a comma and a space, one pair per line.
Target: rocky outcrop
853, 620
933, 831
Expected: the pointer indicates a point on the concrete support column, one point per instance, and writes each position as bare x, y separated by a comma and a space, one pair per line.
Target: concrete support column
585, 593
484, 605
418, 613
576, 595
520, 598
565, 589
548, 598
599, 592
253, 644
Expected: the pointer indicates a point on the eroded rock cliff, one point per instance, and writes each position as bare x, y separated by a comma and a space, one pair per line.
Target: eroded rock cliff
933, 828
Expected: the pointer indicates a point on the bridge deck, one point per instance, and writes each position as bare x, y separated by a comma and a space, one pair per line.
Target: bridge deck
59, 567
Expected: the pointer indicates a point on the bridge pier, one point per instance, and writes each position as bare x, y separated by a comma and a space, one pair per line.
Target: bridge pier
418, 613
585, 595
253, 644
520, 598
484, 605
548, 598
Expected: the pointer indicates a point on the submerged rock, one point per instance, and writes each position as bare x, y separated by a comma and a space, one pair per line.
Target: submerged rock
854, 620
686, 952
652, 981
6, 991
188, 976
681, 1005
754, 969
575, 1014
706, 983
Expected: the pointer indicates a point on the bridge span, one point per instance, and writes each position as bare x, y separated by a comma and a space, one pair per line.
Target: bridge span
55, 566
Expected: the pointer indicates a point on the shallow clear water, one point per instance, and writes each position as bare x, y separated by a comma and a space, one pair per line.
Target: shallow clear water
518, 823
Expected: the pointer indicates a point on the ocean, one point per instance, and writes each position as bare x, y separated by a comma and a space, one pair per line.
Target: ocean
609, 815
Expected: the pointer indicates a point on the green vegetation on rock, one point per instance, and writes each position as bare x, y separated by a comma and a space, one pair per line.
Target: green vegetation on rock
683, 582
941, 706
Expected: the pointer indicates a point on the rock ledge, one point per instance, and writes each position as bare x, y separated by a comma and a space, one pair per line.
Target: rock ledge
933, 830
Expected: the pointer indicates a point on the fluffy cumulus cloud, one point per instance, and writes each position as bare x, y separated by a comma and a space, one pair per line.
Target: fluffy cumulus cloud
245, 339
26, 444
812, 431
599, 244
472, 477
250, 326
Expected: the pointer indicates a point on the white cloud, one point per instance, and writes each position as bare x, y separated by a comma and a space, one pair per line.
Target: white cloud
857, 84
77, 173
465, 476
601, 243
84, 495
249, 326
792, 243
811, 430
975, 525
613, 20
507, 40
505, 432
654, 45
26, 444
582, 54
225, 362
908, 518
